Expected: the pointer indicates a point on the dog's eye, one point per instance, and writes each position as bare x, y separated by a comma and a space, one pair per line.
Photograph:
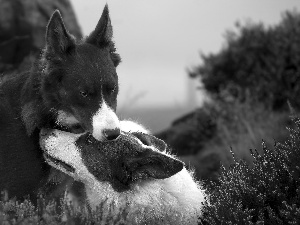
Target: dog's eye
83, 94
112, 89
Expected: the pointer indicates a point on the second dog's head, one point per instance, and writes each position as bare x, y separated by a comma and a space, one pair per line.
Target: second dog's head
131, 158
132, 179
79, 81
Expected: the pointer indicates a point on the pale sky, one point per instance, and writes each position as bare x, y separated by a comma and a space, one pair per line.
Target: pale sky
159, 39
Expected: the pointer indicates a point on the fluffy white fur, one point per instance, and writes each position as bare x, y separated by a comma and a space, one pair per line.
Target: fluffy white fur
175, 200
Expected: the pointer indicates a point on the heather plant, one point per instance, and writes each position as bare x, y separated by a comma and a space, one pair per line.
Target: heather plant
49, 213
14, 212
267, 192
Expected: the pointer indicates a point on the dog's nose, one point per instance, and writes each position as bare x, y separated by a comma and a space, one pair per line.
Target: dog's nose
111, 134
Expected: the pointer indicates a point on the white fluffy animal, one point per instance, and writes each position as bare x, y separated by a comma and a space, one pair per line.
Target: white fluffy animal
133, 179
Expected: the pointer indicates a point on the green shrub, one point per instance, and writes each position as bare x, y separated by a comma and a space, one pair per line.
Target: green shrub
264, 61
266, 193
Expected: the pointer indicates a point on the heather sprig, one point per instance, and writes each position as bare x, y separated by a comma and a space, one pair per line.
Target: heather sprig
265, 193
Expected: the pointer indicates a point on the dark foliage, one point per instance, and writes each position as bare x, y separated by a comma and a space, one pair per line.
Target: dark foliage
267, 193
264, 61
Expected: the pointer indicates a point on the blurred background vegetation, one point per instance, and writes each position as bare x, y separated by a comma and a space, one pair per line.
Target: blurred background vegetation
252, 85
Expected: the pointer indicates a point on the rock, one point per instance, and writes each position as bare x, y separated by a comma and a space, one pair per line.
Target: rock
23, 26
187, 137
206, 166
188, 134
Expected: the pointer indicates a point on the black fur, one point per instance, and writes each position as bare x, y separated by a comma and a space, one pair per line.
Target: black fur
71, 75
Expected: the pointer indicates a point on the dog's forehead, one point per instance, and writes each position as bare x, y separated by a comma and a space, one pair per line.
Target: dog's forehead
91, 64
99, 57
91, 52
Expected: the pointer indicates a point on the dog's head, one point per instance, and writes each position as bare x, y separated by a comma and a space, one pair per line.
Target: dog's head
131, 158
80, 82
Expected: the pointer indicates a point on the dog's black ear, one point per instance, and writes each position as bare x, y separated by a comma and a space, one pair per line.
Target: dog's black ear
150, 140
153, 164
103, 32
58, 39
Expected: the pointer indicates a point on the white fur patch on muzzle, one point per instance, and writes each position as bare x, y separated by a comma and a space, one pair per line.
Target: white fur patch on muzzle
104, 119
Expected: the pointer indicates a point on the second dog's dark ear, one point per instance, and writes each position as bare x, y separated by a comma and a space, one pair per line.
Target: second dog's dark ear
103, 33
153, 164
150, 140
58, 39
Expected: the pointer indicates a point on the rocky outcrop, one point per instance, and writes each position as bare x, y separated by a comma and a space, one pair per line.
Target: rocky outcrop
23, 26
206, 166
188, 134
187, 137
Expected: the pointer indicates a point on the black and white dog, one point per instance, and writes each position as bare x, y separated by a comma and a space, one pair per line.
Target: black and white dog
133, 175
